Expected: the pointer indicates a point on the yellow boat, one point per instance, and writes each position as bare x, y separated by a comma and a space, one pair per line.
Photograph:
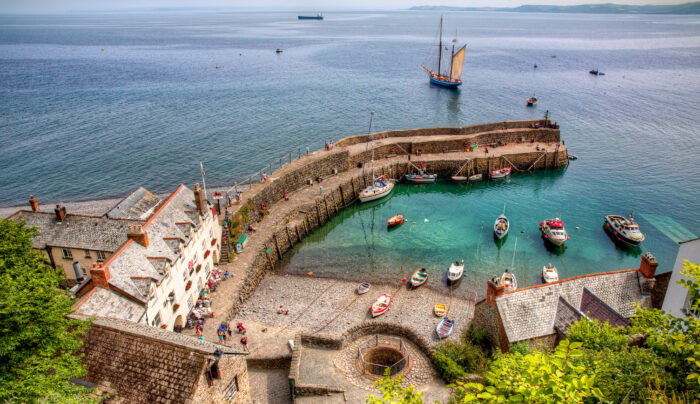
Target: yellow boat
439, 309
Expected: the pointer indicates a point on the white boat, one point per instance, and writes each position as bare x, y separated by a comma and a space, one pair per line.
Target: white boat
500, 173
508, 281
421, 178
625, 229
459, 178
553, 231
455, 272
380, 186
381, 305
476, 177
363, 288
502, 225
549, 273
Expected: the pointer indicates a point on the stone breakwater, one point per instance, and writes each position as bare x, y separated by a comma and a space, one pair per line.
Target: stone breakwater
284, 223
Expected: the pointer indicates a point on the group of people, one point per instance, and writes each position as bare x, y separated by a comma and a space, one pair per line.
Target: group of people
329, 144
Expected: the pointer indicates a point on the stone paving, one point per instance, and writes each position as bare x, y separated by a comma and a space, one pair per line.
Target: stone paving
269, 386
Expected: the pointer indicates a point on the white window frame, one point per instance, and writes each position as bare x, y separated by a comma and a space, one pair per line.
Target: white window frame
100, 255
67, 254
232, 389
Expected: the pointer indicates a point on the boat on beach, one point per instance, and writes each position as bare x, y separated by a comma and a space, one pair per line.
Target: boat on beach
439, 309
380, 187
444, 328
453, 78
419, 277
500, 173
502, 225
625, 229
381, 305
421, 178
549, 273
395, 220
318, 16
596, 72
531, 102
455, 272
363, 288
553, 231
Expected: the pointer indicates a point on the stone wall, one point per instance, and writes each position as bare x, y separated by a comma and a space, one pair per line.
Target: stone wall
460, 131
486, 320
659, 292
230, 367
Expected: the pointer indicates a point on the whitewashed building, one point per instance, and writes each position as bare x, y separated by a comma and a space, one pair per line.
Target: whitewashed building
156, 276
677, 301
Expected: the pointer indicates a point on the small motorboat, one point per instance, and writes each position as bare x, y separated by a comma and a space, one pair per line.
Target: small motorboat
279, 50
500, 173
572, 156
459, 178
476, 177
419, 277
455, 272
596, 72
531, 102
508, 281
421, 178
395, 220
444, 328
549, 273
439, 309
502, 225
553, 231
363, 288
381, 305
625, 229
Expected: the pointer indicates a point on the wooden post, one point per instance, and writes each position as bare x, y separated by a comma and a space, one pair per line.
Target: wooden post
298, 234
289, 237
277, 246
342, 194
318, 212
325, 202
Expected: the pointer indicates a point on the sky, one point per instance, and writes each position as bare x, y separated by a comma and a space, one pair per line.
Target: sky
62, 6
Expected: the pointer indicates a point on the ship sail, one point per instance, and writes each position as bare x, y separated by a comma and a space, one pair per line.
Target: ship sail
457, 64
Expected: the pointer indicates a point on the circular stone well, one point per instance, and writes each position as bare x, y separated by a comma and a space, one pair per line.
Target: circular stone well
381, 357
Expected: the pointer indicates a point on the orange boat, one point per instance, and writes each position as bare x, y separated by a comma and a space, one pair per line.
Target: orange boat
395, 220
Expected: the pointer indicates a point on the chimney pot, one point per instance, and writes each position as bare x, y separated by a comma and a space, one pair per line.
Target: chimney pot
94, 264
33, 203
648, 265
60, 212
100, 276
138, 234
494, 288
199, 201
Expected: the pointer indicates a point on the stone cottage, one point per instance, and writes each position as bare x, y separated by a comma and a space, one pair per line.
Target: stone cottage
135, 363
541, 314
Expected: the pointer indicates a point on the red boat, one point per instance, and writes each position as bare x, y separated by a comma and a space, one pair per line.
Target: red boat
501, 173
381, 305
395, 220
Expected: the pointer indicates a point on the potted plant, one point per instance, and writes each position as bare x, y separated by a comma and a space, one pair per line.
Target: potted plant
176, 306
213, 242
206, 253
163, 326
189, 285
199, 266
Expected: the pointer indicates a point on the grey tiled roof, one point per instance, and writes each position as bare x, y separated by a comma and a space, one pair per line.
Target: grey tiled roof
565, 316
530, 312
105, 303
140, 204
593, 307
76, 231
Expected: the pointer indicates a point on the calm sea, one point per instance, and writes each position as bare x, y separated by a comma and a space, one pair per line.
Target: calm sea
96, 105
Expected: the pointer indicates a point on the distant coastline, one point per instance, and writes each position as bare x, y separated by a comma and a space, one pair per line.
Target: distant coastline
609, 8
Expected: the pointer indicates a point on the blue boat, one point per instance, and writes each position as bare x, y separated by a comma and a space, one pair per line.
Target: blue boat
318, 16
453, 78
625, 229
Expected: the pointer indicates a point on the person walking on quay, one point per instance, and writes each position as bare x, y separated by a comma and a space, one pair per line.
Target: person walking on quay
244, 341
307, 150
264, 176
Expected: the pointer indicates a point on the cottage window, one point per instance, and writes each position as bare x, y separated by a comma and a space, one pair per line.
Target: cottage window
67, 254
189, 304
100, 255
232, 388
87, 254
156, 320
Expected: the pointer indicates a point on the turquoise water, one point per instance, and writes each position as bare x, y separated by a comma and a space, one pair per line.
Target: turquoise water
448, 222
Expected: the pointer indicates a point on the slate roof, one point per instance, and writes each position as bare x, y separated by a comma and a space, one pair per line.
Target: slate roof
566, 315
593, 307
76, 231
105, 303
140, 204
530, 312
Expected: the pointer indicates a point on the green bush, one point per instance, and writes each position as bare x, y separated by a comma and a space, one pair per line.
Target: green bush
468, 356
520, 347
446, 367
476, 337
595, 335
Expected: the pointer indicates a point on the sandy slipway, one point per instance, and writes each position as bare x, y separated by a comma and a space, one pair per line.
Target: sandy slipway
336, 307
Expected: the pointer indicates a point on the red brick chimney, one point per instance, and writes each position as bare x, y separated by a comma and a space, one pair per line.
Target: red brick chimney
138, 234
100, 275
493, 289
60, 213
648, 265
33, 203
199, 201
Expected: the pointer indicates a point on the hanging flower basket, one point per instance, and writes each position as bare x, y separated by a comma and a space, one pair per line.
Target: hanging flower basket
213, 242
163, 326
176, 306
206, 254
188, 286
199, 266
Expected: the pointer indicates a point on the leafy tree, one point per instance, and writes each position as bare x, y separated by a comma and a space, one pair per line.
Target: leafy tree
594, 335
37, 340
393, 393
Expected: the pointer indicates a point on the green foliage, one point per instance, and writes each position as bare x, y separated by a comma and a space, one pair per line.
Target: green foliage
447, 367
521, 348
392, 392
595, 335
37, 340
469, 357
534, 378
476, 337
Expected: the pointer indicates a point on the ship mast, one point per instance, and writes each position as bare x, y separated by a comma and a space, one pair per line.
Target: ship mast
440, 47
371, 121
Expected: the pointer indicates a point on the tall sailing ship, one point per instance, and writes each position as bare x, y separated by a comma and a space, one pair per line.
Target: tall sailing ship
453, 78
381, 186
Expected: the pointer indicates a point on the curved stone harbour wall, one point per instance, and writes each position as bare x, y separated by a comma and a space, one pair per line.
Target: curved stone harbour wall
315, 211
